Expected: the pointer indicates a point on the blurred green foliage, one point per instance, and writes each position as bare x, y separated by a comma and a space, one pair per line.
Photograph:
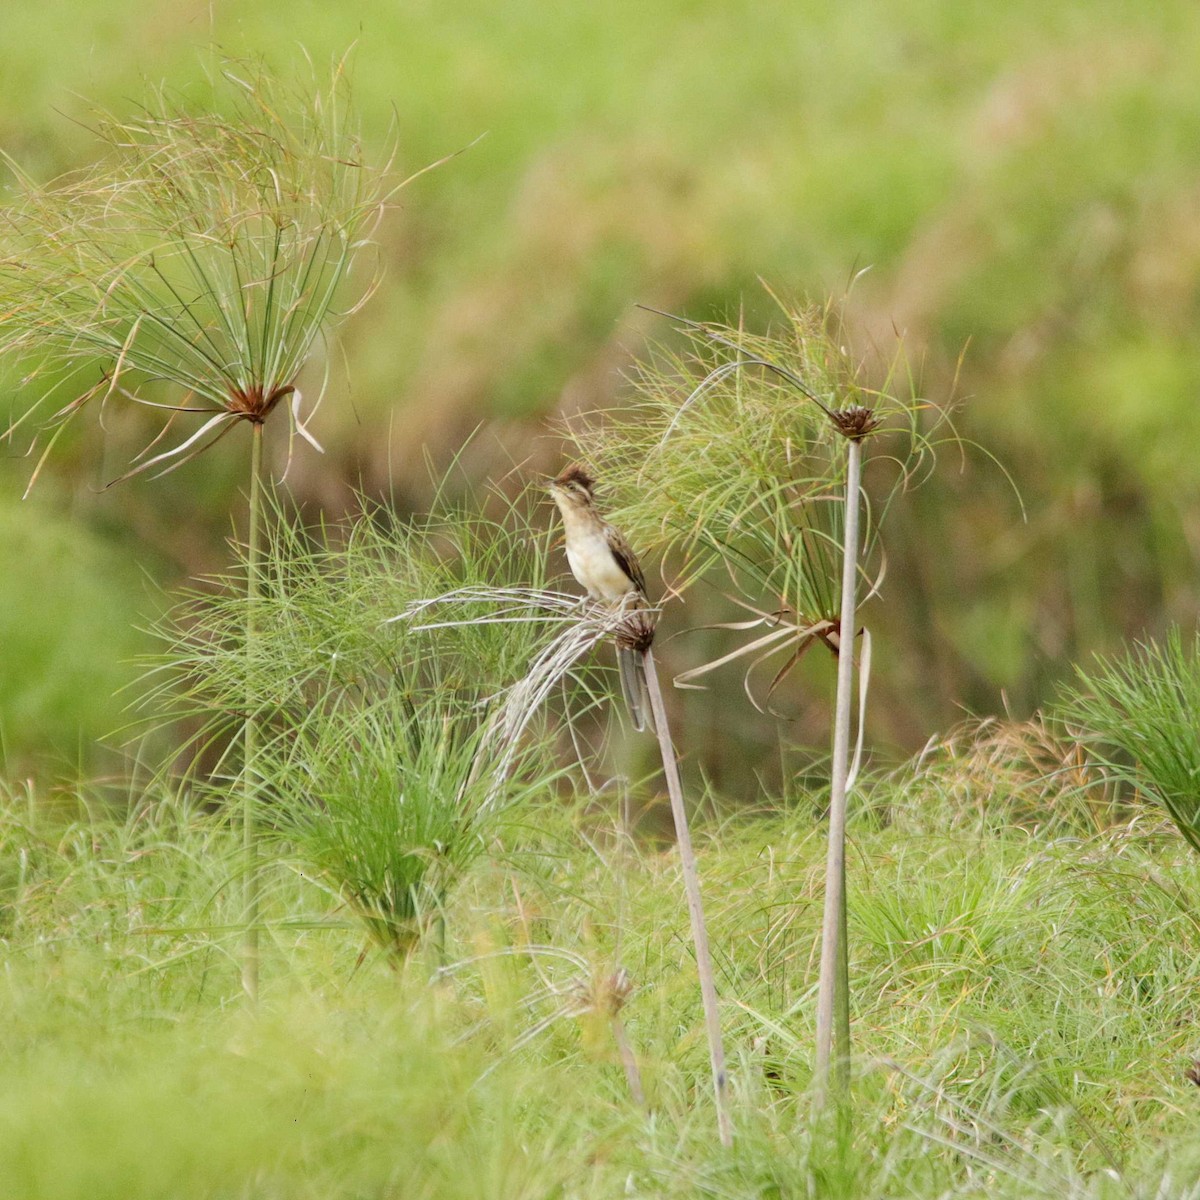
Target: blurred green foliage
1018, 177
68, 635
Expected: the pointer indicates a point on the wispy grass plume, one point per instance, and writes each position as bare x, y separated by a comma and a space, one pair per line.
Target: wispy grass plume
998, 773
388, 751
729, 459
388, 802
192, 269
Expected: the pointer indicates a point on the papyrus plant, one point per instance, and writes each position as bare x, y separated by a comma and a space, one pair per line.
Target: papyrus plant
743, 454
383, 743
1136, 713
206, 252
190, 273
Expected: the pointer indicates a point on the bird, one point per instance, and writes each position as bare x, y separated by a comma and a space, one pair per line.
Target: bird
606, 567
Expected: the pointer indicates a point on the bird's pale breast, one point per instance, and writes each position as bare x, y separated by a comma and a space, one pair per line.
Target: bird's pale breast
593, 565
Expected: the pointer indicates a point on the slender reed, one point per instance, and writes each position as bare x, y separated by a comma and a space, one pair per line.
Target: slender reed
691, 887
629, 1062
250, 735
833, 994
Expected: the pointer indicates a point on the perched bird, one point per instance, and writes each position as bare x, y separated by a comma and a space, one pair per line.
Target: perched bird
602, 562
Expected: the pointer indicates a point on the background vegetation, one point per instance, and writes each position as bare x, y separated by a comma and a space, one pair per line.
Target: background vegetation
480, 988
1018, 178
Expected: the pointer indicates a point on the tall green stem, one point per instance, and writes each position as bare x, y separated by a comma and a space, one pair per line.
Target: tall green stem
691, 887
250, 867
833, 996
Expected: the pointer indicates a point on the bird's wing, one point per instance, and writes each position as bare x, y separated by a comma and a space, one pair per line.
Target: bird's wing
626, 559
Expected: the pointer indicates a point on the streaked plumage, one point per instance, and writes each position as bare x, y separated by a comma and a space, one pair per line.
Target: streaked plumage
604, 564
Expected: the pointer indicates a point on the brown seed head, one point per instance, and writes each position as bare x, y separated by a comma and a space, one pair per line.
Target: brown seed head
605, 994
854, 422
254, 404
636, 632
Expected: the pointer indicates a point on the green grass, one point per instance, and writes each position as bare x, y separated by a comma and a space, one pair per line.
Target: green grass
1023, 1015
1137, 712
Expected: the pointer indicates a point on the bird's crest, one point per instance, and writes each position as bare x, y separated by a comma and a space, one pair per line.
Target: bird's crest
577, 474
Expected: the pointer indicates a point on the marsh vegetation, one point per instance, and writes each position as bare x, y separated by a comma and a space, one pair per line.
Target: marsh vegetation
381, 896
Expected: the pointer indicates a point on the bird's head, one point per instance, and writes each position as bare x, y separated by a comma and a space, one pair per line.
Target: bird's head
574, 488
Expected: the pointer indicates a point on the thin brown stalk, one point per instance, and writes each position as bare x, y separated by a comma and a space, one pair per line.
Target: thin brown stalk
833, 995
691, 885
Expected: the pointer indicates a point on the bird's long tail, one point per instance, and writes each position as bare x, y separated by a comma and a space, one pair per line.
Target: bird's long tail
633, 686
